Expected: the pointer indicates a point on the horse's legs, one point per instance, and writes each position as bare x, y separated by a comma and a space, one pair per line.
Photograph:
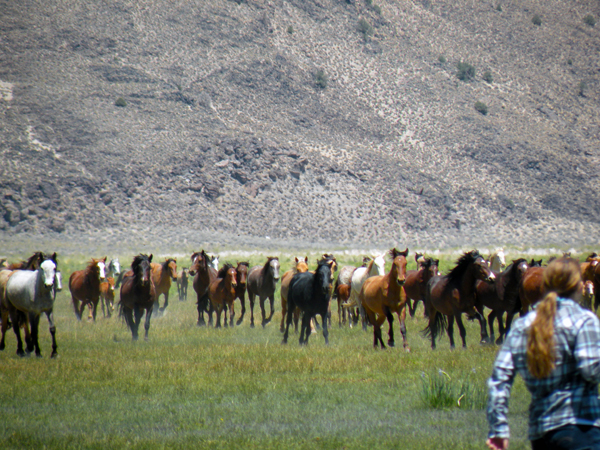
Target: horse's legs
296, 319
490, 319
261, 300
450, 331
288, 322
305, 328
390, 318
243, 302
461, 329
14, 318
166, 302
283, 313
272, 303
147, 323
325, 330
412, 306
76, 307
218, 310
50, 316
95, 309
501, 329
137, 319
34, 320
251, 298
81, 309
402, 320
483, 326
4, 328
90, 316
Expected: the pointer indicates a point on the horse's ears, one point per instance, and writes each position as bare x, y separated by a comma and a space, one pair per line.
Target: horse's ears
150, 257
405, 252
53, 258
297, 260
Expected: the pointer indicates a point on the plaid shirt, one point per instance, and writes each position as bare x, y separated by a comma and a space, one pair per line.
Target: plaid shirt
570, 394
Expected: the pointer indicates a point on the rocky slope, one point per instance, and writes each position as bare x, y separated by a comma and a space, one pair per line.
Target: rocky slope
228, 134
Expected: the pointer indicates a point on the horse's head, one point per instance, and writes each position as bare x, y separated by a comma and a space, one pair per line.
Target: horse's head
172, 268
378, 265
242, 273
114, 267
214, 261
111, 283
520, 266
430, 266
323, 275
333, 266
273, 262
482, 269
48, 268
419, 259
232, 276
399, 265
302, 264
101, 263
142, 269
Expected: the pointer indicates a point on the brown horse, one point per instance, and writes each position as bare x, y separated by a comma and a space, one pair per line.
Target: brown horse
590, 271
383, 295
531, 288
416, 282
240, 289
221, 293
162, 274
182, 284
138, 295
301, 266
262, 281
454, 294
32, 263
203, 274
341, 292
85, 286
501, 296
107, 296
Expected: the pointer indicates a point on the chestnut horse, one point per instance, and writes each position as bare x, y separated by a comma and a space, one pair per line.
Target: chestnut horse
376, 267
138, 295
301, 266
203, 274
262, 281
341, 292
383, 295
501, 296
221, 293
454, 294
162, 274
85, 286
107, 296
416, 282
240, 289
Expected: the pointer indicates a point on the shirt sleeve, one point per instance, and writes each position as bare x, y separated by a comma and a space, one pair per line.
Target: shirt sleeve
499, 386
587, 349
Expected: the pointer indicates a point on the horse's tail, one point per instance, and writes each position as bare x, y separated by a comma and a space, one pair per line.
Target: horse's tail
123, 313
437, 324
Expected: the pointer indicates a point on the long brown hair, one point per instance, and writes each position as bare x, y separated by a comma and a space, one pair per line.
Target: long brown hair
562, 278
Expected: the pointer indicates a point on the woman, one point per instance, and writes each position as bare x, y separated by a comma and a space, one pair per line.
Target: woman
556, 349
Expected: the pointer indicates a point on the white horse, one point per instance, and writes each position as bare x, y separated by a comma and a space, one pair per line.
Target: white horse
214, 261
376, 267
497, 260
32, 292
113, 269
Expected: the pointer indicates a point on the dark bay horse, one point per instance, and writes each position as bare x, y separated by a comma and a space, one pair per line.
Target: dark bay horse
162, 274
416, 282
383, 295
203, 274
501, 296
531, 288
454, 294
31, 292
32, 263
311, 292
85, 286
221, 293
138, 295
240, 289
262, 281
300, 266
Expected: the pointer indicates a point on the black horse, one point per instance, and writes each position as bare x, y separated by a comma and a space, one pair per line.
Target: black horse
138, 295
501, 296
311, 293
262, 281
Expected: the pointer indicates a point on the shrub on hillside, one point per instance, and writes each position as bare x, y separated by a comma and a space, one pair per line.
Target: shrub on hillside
365, 28
536, 20
466, 72
581, 87
589, 20
481, 107
121, 102
487, 77
499, 7
290, 29
321, 79
442, 59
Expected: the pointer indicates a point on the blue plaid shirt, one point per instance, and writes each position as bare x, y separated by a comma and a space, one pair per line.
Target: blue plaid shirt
570, 394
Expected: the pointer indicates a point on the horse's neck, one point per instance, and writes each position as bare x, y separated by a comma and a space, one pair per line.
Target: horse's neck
467, 283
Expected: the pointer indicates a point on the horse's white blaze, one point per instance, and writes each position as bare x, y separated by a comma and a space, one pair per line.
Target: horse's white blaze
275, 265
102, 266
49, 270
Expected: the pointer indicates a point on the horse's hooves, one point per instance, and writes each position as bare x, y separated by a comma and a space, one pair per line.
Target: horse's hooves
38, 355
407, 349
251, 325
238, 323
201, 324
391, 343
498, 342
54, 355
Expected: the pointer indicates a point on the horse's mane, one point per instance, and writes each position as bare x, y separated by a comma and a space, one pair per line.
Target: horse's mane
426, 263
222, 273
591, 257
462, 264
244, 263
165, 265
30, 263
92, 266
394, 253
137, 261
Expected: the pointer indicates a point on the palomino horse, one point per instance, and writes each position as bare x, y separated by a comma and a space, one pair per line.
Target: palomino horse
262, 281
162, 274
376, 267
311, 293
107, 296
341, 292
204, 274
182, 284
138, 295
497, 260
301, 266
85, 286
383, 295
501, 296
32, 292
240, 289
454, 294
416, 282
221, 293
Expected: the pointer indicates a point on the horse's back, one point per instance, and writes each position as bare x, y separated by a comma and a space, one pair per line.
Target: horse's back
21, 292
300, 290
371, 293
532, 286
412, 285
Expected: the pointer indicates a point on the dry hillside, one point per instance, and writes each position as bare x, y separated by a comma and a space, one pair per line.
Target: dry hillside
308, 121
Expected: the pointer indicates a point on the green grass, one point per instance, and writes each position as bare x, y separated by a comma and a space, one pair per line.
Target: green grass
190, 387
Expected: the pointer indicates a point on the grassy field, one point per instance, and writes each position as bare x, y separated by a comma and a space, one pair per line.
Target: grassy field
227, 388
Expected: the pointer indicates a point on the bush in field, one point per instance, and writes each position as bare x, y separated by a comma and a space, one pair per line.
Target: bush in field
365, 28
536, 20
487, 77
589, 20
481, 107
466, 72
581, 87
321, 79
442, 59
121, 102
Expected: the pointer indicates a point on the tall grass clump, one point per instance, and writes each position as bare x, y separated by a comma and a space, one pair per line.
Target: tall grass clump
365, 28
440, 391
321, 79
466, 72
589, 20
536, 20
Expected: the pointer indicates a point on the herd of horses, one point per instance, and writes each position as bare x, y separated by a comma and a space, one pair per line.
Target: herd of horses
367, 293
